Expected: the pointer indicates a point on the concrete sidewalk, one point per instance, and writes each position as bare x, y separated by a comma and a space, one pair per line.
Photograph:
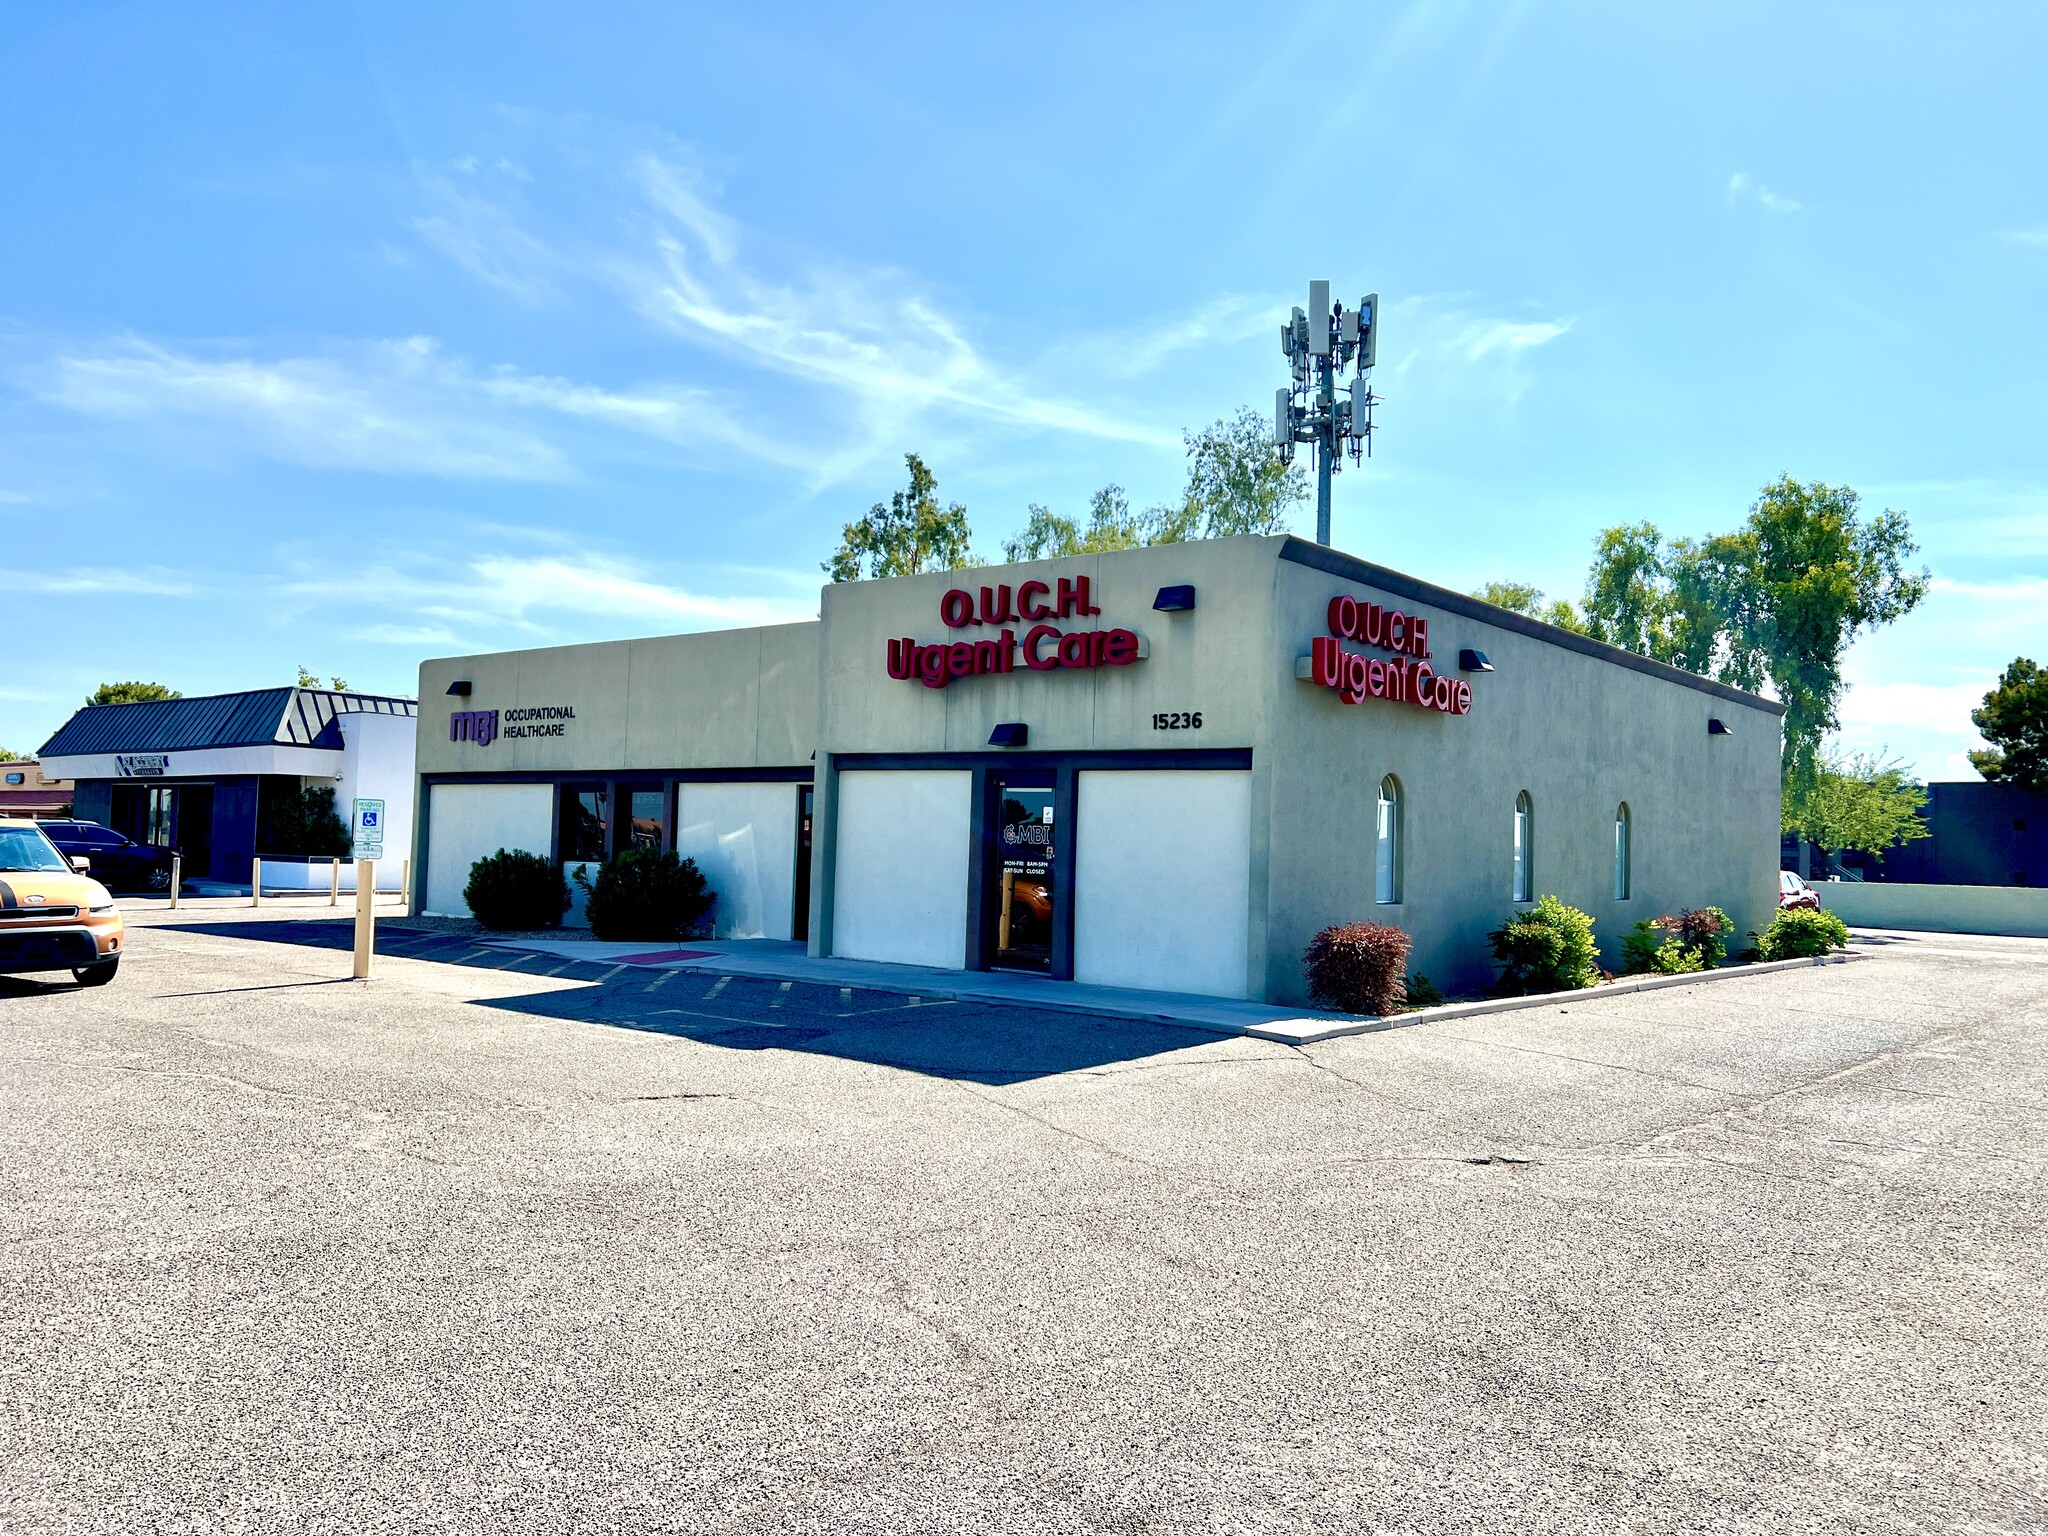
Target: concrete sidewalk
785, 960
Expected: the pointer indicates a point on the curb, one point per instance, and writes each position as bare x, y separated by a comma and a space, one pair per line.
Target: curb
1310, 1031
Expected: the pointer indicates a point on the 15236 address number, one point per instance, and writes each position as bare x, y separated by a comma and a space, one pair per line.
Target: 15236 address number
1177, 721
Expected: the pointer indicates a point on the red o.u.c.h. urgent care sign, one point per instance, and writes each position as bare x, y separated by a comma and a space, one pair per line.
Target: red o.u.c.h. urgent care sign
1044, 647
1407, 679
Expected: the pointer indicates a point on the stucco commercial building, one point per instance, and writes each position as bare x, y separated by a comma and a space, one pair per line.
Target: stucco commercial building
1162, 768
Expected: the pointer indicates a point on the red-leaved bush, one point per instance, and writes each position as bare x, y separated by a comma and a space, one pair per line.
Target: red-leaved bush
1359, 968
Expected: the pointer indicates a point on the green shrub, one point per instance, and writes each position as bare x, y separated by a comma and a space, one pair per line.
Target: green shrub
1549, 948
1695, 940
647, 894
1422, 992
1654, 948
1802, 933
1706, 929
510, 890
1358, 967
295, 820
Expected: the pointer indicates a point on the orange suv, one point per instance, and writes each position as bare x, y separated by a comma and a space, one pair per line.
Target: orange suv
53, 916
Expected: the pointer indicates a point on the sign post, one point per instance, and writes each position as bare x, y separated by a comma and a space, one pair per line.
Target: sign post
366, 832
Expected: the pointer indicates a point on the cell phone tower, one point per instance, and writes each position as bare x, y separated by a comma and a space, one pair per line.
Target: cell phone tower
1320, 344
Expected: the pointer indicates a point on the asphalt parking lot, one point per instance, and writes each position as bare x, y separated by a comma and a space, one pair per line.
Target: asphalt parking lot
471, 1248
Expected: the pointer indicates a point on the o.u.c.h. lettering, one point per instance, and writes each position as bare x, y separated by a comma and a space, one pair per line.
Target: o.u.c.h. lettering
1044, 647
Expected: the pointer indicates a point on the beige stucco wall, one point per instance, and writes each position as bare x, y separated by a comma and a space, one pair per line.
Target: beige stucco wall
739, 698
1581, 734
1202, 660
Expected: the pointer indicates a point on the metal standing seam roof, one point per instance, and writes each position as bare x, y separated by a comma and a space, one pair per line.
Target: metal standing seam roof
302, 717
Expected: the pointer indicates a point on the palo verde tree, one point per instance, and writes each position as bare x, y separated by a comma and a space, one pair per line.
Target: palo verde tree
1520, 597
1111, 525
131, 693
1858, 802
1775, 603
2014, 719
908, 534
1236, 483
312, 680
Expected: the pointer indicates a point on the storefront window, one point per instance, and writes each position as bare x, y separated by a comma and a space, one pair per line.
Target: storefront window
1525, 879
648, 809
1387, 860
1621, 870
583, 823
161, 820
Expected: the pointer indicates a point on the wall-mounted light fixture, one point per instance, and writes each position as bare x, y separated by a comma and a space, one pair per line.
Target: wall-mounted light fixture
1473, 661
1716, 728
1174, 599
459, 688
1014, 734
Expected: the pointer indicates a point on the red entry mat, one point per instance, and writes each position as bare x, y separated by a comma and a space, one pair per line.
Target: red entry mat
661, 956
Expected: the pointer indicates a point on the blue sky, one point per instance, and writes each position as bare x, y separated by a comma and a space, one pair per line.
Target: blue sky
353, 335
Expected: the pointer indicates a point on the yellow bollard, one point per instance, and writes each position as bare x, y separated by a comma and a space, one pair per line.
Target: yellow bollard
334, 882
405, 885
255, 882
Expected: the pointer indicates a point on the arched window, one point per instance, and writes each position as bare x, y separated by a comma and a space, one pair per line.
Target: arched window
1525, 874
1621, 853
1387, 858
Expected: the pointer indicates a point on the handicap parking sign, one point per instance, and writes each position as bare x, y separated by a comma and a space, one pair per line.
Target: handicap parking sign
367, 833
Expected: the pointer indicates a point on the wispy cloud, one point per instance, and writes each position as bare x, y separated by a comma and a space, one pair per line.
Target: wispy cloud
1740, 186
1449, 346
888, 359
888, 348
82, 581
478, 600
2037, 236
392, 407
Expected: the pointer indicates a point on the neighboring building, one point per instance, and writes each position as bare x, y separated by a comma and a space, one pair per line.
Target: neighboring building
196, 774
26, 790
1156, 768
1978, 834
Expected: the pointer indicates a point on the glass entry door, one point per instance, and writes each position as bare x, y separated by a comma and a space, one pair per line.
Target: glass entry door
1025, 880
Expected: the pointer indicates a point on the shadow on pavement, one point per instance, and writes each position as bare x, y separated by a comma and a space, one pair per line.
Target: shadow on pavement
971, 1041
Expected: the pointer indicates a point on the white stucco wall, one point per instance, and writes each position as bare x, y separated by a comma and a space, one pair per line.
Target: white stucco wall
901, 861
1162, 880
743, 836
468, 822
2005, 909
376, 764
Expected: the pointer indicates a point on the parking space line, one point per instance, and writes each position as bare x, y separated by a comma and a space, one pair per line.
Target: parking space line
781, 993
661, 981
717, 987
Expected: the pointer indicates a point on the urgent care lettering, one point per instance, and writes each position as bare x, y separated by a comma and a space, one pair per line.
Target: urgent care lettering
1408, 679
1044, 647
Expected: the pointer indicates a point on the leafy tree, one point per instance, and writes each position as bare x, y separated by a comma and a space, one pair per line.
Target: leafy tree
2014, 719
1237, 482
1520, 597
1111, 525
1859, 802
131, 693
312, 680
1776, 602
9, 755
908, 534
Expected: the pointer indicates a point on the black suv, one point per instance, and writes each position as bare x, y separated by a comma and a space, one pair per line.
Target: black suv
117, 863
